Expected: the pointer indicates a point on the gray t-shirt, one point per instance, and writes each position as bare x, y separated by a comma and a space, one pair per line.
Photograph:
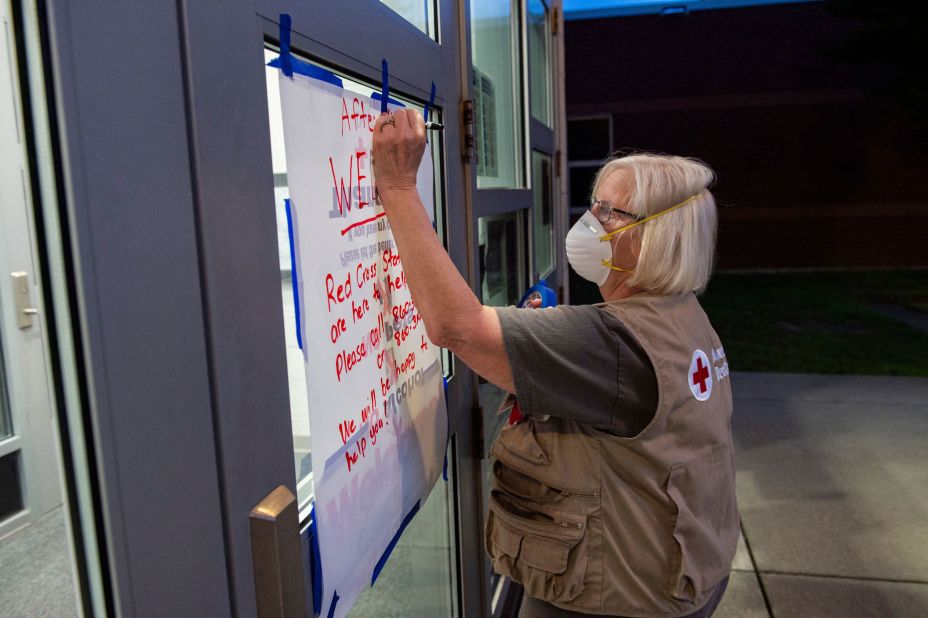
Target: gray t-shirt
580, 363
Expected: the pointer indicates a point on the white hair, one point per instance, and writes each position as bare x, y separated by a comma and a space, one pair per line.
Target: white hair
677, 249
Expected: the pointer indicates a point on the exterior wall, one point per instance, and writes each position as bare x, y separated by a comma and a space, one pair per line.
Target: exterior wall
813, 171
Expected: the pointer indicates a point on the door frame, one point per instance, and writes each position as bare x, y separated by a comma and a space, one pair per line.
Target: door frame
161, 118
502, 201
23, 356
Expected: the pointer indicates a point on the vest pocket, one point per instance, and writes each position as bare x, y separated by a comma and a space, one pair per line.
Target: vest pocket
539, 550
706, 526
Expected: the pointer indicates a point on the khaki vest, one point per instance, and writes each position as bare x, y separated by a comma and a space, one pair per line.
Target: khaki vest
642, 526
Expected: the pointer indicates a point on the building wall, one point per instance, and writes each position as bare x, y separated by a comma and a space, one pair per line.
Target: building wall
813, 169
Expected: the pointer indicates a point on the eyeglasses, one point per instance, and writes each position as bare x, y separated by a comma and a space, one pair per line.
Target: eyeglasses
604, 211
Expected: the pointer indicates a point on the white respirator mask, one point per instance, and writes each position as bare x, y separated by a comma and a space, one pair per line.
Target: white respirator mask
588, 255
589, 251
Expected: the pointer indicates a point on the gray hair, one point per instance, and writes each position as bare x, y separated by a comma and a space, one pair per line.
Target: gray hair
677, 250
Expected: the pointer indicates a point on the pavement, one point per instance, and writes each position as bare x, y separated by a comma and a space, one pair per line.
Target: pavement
833, 491
36, 574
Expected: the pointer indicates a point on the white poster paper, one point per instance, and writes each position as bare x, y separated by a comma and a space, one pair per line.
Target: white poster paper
378, 422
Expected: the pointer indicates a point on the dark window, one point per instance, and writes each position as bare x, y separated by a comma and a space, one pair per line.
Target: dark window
11, 494
588, 139
581, 181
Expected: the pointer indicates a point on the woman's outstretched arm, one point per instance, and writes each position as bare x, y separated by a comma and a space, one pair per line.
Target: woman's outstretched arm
453, 316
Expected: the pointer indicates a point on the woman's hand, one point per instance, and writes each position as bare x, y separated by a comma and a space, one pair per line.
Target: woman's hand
399, 140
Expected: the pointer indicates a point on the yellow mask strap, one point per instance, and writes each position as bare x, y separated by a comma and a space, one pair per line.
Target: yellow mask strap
645, 220
608, 264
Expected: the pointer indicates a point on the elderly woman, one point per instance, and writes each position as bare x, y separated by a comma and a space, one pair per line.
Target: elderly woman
614, 495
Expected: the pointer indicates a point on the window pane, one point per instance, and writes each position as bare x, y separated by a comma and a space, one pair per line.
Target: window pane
299, 404
538, 66
419, 580
581, 182
11, 493
502, 261
502, 276
588, 139
542, 214
420, 13
497, 94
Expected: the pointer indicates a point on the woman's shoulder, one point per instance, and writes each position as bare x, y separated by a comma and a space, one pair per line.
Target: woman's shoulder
555, 312
646, 302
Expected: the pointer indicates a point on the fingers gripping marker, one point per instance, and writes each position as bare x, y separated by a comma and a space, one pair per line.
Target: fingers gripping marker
428, 106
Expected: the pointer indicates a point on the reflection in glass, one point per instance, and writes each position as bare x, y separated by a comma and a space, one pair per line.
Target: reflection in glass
419, 580
501, 258
538, 27
542, 210
502, 276
420, 13
497, 94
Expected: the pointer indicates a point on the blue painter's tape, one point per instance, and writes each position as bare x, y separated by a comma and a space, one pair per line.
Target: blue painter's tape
396, 537
293, 273
290, 64
377, 96
430, 104
385, 86
334, 603
301, 67
286, 58
316, 559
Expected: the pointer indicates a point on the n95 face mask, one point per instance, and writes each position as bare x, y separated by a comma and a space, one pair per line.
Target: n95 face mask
587, 252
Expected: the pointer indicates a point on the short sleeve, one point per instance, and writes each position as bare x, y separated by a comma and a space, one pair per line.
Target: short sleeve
580, 363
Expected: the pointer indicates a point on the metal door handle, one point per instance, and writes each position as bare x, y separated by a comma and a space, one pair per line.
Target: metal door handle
276, 556
25, 312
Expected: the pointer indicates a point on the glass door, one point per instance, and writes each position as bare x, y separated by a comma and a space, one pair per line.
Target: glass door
171, 190
425, 553
48, 548
516, 200
425, 574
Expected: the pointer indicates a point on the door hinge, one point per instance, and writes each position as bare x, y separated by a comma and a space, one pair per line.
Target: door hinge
468, 144
555, 21
557, 163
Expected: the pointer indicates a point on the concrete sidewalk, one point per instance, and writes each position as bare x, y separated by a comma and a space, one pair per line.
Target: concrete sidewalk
833, 492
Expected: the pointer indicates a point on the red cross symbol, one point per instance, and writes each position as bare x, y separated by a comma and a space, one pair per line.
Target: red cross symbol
701, 375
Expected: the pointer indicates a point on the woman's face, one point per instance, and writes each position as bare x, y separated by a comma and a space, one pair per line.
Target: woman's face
625, 249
